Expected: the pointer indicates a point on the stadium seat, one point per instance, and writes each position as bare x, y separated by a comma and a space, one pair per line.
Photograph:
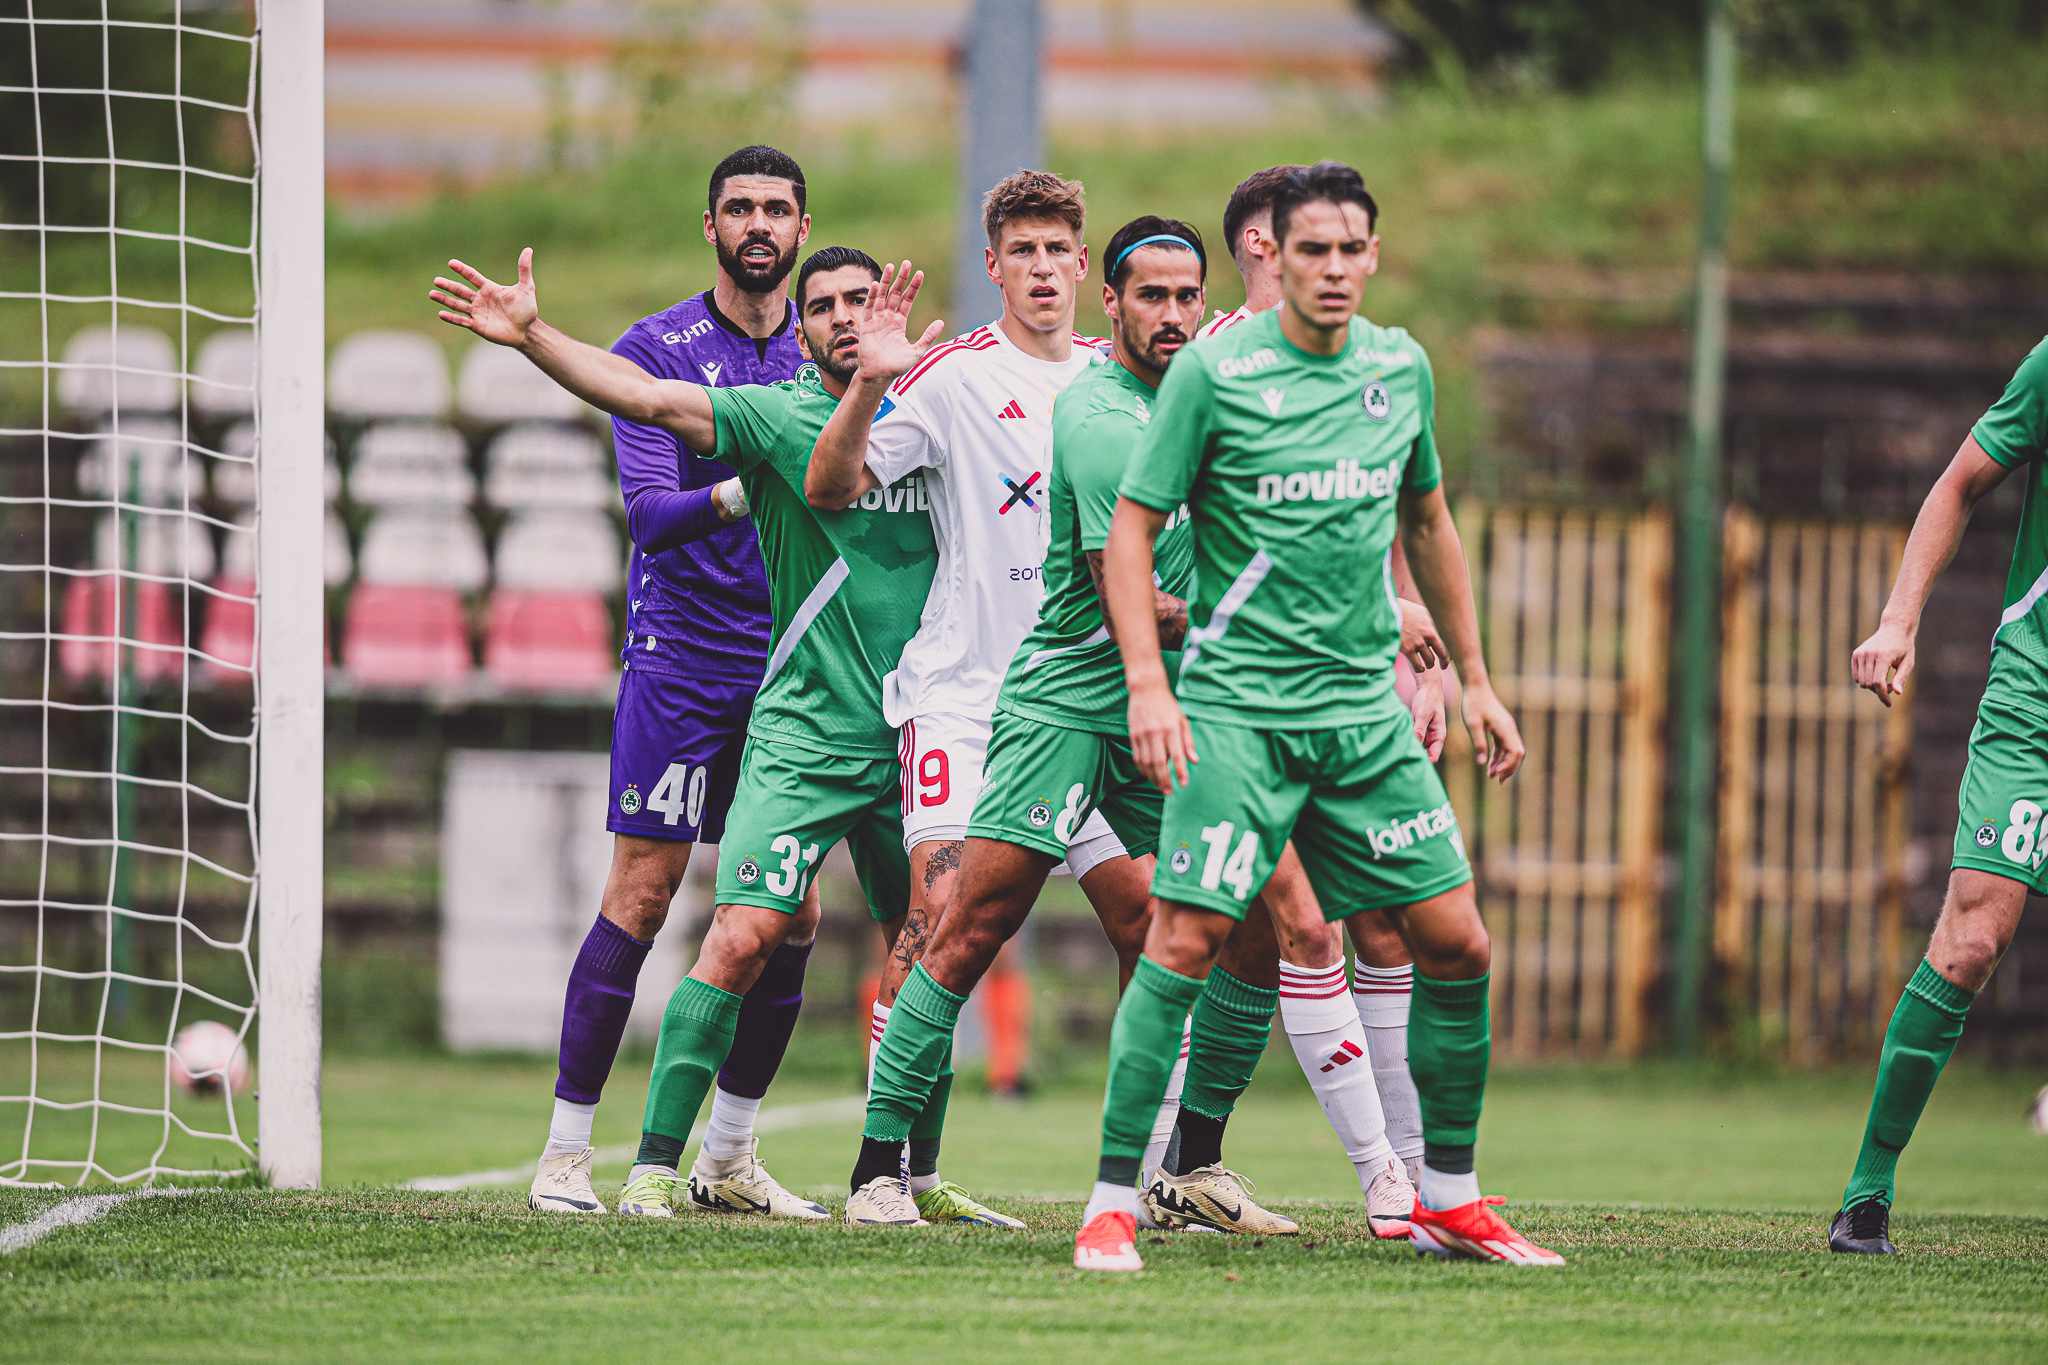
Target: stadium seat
224, 377
230, 635
497, 384
399, 636
167, 545
398, 463
234, 469
147, 463
548, 625
543, 465
126, 369
376, 375
405, 625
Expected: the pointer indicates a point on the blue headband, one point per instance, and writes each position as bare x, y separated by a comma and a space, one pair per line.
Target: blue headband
1183, 243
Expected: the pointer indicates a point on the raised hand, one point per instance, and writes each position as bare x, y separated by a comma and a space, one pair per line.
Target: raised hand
1883, 662
503, 313
886, 349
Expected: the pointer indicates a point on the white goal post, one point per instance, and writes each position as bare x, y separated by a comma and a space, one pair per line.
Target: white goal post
291, 598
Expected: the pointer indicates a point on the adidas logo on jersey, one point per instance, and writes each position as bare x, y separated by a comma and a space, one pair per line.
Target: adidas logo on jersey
1011, 409
1345, 479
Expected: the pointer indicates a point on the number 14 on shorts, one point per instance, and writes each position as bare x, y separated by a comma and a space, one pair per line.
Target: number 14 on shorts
1227, 866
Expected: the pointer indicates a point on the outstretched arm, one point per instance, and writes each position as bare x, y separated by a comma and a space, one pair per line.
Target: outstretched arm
1882, 662
1437, 559
838, 472
509, 314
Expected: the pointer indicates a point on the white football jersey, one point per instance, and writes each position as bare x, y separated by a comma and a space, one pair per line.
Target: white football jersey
1223, 320
976, 415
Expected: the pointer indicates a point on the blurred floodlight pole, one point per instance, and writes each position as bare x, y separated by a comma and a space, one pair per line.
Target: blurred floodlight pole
1699, 517
999, 75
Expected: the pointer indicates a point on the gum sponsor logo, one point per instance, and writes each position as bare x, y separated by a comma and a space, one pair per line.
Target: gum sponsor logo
1424, 824
1238, 367
1345, 479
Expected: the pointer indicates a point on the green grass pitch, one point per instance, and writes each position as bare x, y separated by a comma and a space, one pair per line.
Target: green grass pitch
1691, 1206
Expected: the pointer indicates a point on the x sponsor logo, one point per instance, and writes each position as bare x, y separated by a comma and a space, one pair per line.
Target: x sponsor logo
1019, 492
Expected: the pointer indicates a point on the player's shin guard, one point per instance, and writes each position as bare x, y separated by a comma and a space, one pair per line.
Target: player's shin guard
595, 1008
696, 1035
1917, 1045
1382, 995
1448, 1049
1322, 1026
1143, 1043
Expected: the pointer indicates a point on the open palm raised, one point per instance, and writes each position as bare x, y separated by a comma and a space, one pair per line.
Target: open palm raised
886, 349
503, 313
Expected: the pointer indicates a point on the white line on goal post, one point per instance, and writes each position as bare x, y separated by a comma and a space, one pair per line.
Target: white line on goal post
291, 449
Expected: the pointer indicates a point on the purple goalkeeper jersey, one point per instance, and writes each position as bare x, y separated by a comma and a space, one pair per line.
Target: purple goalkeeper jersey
697, 600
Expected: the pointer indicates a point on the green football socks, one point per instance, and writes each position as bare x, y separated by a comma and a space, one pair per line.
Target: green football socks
1917, 1046
1144, 1043
916, 1049
1448, 1050
696, 1035
1232, 1023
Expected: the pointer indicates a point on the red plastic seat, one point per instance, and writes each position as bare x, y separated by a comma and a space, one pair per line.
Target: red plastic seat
548, 640
405, 636
92, 607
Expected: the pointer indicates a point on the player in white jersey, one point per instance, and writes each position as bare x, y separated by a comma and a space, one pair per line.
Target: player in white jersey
975, 414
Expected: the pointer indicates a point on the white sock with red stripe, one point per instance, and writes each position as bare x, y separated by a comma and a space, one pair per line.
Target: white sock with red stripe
1329, 1042
1169, 1110
1382, 995
879, 1022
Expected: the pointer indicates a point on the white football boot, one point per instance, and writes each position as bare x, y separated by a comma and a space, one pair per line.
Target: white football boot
742, 1185
1389, 1199
1213, 1197
884, 1201
562, 1185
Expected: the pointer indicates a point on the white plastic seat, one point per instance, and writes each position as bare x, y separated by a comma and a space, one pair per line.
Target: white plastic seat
234, 478
147, 463
537, 465
129, 368
167, 545
497, 384
400, 463
381, 374
424, 547
567, 551
224, 376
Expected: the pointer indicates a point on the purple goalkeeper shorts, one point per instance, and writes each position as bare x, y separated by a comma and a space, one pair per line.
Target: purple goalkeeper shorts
676, 746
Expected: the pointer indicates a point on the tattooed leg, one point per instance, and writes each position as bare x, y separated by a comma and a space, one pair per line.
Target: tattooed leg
933, 868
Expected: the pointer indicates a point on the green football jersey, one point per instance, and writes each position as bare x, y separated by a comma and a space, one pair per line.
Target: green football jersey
1068, 671
845, 589
1291, 465
2015, 432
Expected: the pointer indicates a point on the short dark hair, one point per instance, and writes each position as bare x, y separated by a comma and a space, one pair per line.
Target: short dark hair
1330, 182
1252, 197
832, 258
757, 160
1142, 230
1033, 194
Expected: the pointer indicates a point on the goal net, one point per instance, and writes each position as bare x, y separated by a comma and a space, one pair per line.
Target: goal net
148, 496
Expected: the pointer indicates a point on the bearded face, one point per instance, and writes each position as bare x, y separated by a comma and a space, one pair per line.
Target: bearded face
756, 250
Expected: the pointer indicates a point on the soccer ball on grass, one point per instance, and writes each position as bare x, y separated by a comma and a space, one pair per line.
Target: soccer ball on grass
206, 1055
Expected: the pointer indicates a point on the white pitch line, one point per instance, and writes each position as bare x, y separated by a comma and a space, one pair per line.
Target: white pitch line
780, 1119
69, 1214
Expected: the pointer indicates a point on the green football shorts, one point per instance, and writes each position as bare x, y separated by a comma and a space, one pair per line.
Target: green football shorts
795, 803
2005, 785
1042, 781
1367, 813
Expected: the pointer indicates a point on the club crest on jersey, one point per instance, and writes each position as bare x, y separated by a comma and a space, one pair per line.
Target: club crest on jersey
629, 799
1378, 403
1181, 861
1987, 834
748, 872
807, 373
1040, 814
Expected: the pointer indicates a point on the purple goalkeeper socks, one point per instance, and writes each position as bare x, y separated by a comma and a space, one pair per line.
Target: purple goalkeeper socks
594, 1014
767, 1018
